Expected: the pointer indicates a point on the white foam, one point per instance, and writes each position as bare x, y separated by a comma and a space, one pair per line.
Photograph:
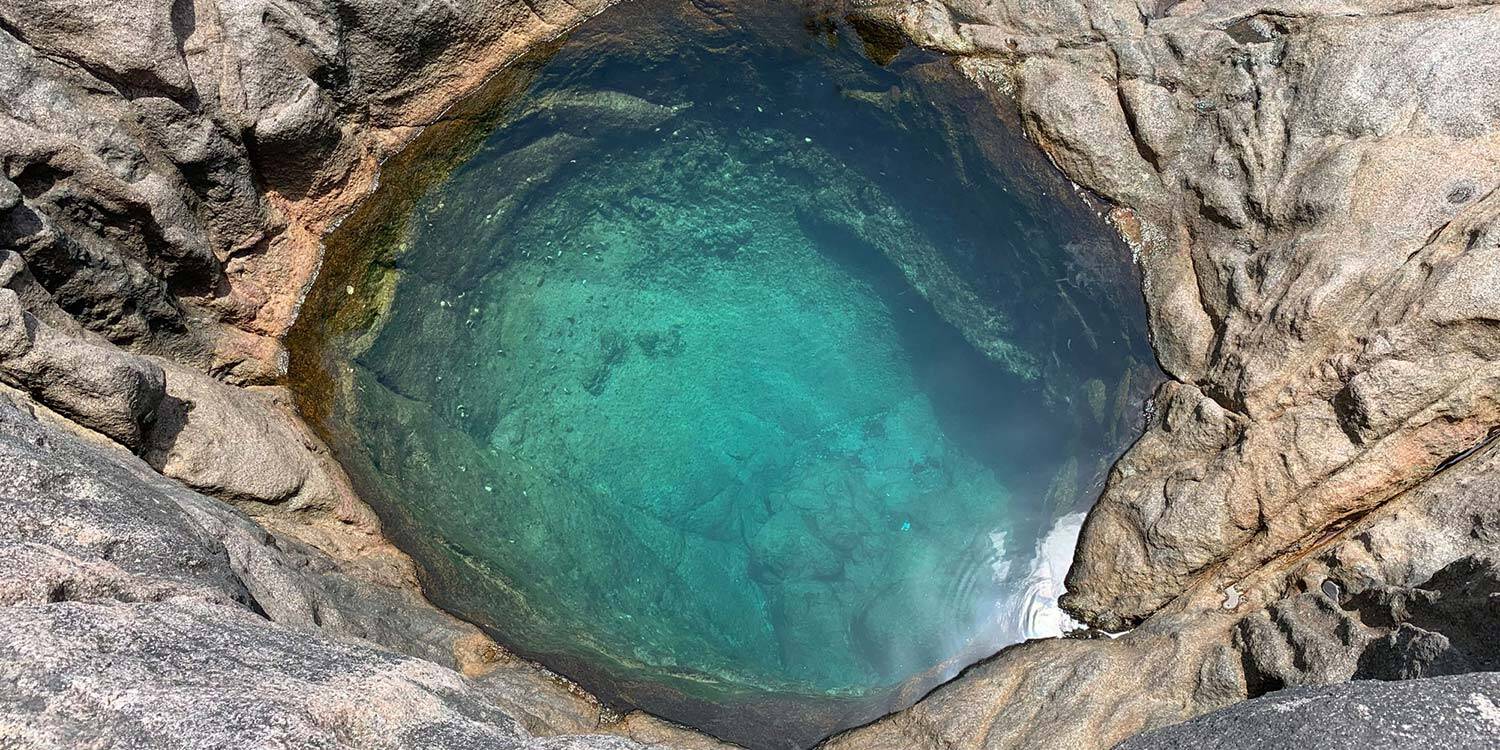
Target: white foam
1033, 608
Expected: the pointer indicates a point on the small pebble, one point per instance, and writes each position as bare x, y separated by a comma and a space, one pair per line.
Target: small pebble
1231, 598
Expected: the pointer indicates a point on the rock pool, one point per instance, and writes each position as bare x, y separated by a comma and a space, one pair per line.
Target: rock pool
734, 372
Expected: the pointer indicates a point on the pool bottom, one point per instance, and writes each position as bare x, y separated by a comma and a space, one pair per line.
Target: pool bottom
714, 420
593, 498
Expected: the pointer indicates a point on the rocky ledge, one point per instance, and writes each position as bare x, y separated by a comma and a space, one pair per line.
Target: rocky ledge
1311, 189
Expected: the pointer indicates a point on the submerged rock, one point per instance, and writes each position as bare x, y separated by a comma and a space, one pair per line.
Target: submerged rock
751, 417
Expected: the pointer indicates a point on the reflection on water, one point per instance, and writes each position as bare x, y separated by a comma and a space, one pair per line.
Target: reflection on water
731, 379
1033, 607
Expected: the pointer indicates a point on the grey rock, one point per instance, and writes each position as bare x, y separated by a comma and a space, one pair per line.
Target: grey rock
99, 387
1353, 367
185, 673
35, 299
1409, 652
133, 45
1304, 267
1448, 624
1301, 640
90, 536
1240, 177
244, 446
1068, 108
1441, 713
71, 534
1311, 190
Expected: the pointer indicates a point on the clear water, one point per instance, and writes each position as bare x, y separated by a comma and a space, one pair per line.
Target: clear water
734, 378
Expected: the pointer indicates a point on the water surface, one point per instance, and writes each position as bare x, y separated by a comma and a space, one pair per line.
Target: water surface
734, 375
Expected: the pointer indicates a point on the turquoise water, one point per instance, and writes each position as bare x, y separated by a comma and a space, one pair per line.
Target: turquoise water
735, 379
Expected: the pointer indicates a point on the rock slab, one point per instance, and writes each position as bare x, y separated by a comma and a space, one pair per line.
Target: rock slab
135, 612
1435, 713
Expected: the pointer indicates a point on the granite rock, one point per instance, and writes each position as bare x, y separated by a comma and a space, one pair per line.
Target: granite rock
170, 166
1404, 592
98, 386
1436, 713
186, 673
1311, 193
152, 595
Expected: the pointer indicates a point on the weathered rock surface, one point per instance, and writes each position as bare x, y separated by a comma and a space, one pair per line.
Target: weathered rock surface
186, 673
246, 446
98, 386
1405, 592
1314, 192
170, 166
134, 610
1439, 713
1340, 243
74, 534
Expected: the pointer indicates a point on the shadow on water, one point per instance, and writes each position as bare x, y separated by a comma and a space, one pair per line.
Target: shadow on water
995, 414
